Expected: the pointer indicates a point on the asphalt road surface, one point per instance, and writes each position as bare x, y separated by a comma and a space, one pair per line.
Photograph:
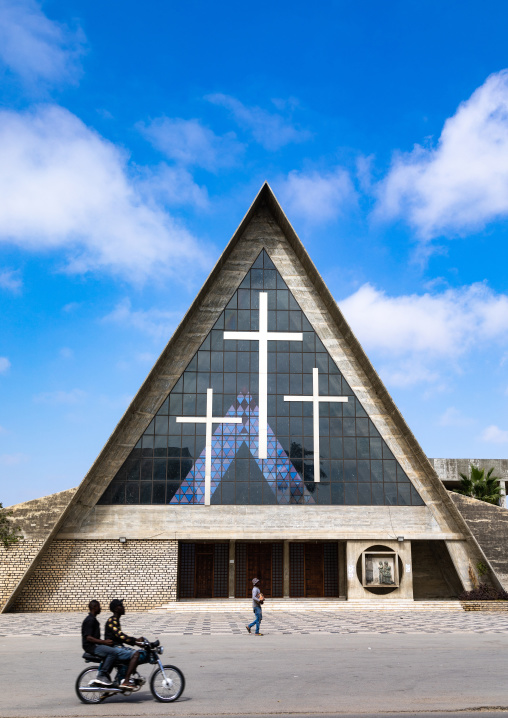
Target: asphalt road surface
274, 674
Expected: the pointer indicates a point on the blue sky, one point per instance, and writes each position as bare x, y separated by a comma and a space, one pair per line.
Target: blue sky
134, 137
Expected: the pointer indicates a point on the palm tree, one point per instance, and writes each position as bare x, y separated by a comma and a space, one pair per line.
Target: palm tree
481, 487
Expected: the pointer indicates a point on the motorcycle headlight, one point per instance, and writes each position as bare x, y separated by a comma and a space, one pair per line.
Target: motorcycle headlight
160, 650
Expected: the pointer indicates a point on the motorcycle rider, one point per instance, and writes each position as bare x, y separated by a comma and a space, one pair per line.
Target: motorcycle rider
114, 633
92, 643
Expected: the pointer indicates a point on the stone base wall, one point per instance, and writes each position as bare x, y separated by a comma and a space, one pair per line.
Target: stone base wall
72, 572
14, 563
489, 524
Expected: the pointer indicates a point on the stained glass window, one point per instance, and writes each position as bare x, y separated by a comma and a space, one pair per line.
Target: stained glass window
168, 464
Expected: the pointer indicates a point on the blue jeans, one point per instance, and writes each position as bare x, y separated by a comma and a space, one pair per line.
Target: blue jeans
259, 617
109, 654
117, 654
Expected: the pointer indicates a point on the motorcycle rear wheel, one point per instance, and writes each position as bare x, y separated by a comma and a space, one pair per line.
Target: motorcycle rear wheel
83, 681
170, 688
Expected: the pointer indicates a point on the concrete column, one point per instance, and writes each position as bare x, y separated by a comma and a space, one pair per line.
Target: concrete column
342, 569
459, 554
232, 573
353, 587
285, 564
406, 576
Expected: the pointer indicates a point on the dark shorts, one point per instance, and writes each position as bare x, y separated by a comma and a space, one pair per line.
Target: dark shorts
124, 653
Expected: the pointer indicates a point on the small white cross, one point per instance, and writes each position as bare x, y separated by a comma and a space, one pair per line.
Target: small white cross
263, 336
208, 420
316, 400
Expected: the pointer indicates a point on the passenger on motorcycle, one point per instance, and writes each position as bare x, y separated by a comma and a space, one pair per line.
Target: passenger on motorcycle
92, 643
113, 632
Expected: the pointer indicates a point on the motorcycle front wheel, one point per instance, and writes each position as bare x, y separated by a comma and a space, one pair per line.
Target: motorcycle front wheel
168, 686
83, 683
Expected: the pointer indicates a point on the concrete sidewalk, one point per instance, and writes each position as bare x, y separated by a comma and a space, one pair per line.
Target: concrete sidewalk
244, 675
274, 622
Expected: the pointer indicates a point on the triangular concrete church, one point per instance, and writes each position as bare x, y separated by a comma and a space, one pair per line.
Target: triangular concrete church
261, 443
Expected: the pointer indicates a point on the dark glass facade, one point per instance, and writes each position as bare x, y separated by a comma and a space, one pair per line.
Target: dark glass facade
167, 465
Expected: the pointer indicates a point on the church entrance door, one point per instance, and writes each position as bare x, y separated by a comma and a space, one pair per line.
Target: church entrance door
203, 570
314, 573
259, 560
313, 570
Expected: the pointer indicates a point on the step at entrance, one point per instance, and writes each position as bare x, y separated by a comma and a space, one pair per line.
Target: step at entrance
285, 604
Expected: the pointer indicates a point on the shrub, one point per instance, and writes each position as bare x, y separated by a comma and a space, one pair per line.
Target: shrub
484, 592
9, 534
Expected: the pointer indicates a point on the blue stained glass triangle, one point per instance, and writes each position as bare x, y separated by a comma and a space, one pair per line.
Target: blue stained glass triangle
226, 442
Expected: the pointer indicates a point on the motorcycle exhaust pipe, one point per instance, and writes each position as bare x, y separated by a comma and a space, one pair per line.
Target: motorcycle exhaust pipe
101, 690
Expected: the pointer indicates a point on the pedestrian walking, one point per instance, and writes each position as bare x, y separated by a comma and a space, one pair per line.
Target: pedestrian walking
257, 600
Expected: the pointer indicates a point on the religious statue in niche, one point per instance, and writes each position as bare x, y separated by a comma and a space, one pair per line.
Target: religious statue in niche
379, 570
385, 573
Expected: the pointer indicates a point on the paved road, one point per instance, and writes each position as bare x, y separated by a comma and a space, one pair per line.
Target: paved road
313, 674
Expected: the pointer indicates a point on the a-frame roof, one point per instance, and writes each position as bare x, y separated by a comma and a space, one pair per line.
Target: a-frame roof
263, 219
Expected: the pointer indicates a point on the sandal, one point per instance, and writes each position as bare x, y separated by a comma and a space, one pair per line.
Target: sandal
128, 685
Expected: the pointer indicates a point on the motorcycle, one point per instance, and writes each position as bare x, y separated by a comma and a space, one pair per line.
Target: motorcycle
167, 683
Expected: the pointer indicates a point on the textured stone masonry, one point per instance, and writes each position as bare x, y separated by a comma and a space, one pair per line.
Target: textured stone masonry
14, 563
71, 573
37, 521
489, 525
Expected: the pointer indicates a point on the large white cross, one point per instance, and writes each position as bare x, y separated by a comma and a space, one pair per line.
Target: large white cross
208, 420
263, 336
316, 400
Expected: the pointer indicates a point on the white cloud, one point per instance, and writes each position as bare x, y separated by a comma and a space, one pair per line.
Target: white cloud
271, 130
407, 372
13, 459
4, 365
174, 186
454, 417
63, 186
462, 183
494, 435
420, 336
157, 323
66, 353
317, 197
189, 142
35, 47
10, 281
75, 396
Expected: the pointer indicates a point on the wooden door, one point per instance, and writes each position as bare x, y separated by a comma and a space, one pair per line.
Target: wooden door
313, 570
314, 573
259, 560
259, 565
187, 570
204, 571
